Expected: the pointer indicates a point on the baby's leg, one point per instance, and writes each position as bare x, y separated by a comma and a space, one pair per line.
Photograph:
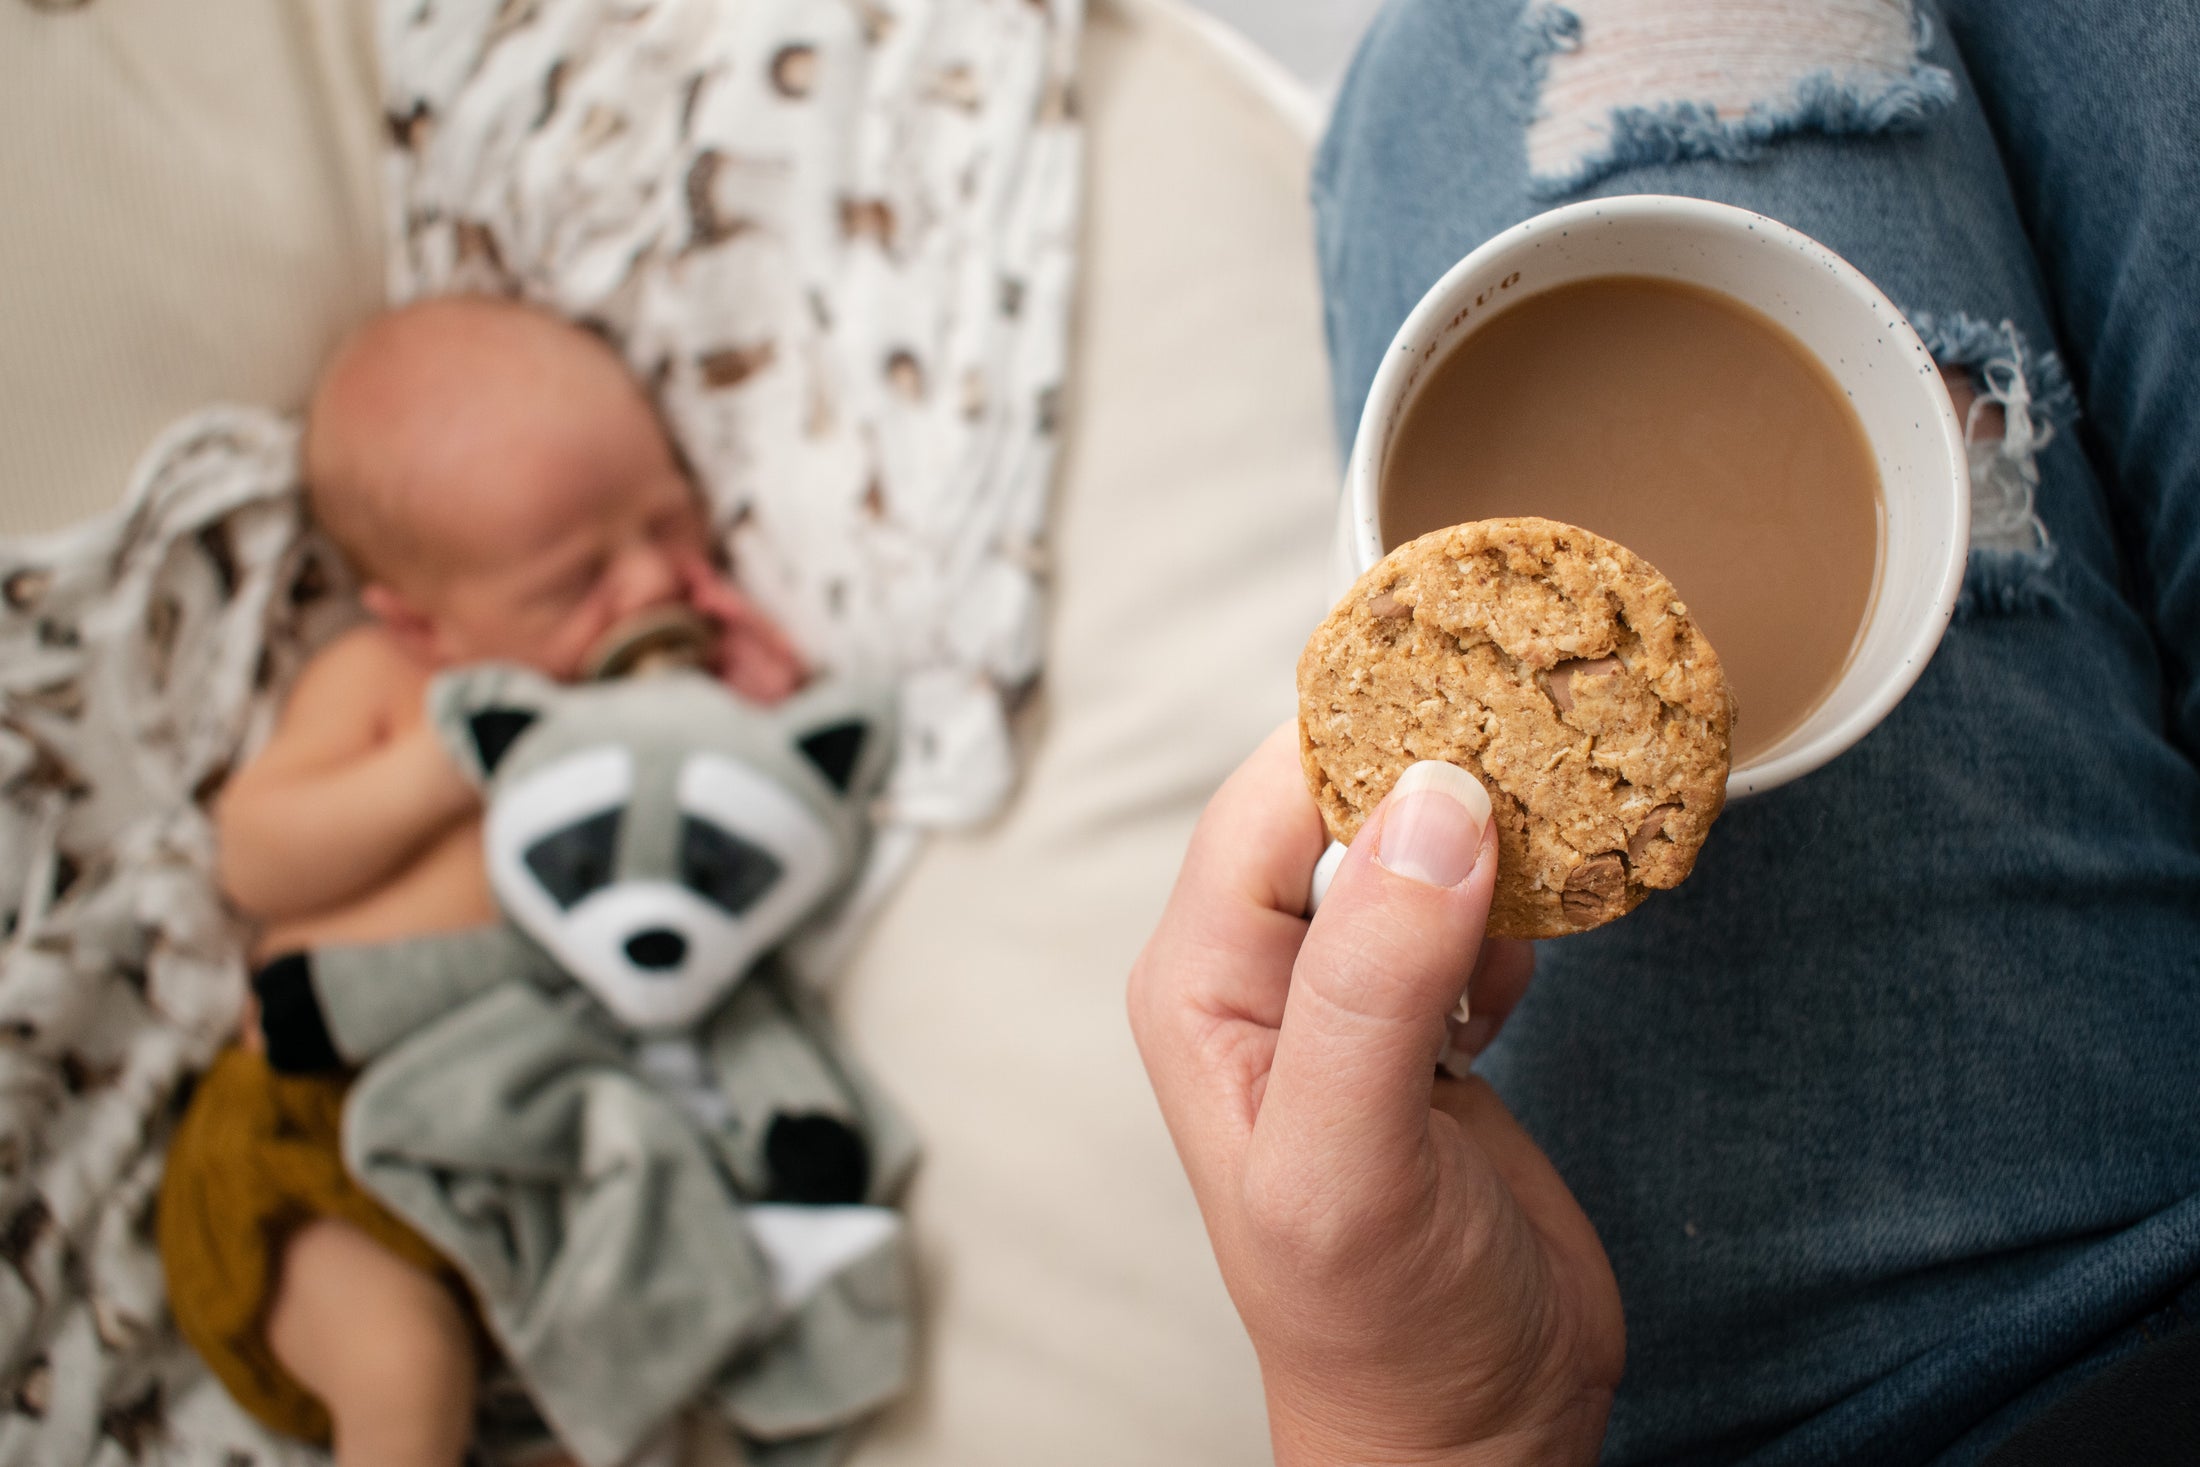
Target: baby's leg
383, 1345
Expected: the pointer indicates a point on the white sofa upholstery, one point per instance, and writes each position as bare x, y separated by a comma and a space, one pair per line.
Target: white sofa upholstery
1076, 1313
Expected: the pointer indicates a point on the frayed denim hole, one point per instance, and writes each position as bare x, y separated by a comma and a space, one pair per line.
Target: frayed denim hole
1834, 100
2033, 395
1676, 132
1546, 30
2008, 583
1959, 339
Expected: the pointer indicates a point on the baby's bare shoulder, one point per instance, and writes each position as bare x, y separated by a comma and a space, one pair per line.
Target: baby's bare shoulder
364, 674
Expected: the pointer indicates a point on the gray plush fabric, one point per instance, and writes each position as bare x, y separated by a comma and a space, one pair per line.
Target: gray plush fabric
601, 1227
634, 1205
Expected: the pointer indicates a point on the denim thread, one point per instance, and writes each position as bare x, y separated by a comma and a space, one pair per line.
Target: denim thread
2033, 394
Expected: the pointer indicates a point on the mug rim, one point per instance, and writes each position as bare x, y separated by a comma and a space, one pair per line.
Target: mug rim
1430, 319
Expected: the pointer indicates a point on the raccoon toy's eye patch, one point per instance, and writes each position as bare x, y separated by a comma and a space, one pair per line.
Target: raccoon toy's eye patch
749, 847
577, 860
724, 869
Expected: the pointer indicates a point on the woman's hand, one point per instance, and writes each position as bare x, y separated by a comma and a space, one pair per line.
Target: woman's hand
1419, 1284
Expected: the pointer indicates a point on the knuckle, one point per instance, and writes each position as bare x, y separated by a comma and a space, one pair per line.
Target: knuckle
1287, 1218
1321, 1232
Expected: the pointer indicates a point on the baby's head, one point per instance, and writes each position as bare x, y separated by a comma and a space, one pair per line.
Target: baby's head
499, 482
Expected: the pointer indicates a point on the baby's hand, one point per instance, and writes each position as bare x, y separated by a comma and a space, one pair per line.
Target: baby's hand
755, 659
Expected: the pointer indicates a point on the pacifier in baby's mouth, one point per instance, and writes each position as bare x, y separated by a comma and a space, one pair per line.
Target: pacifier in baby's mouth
661, 639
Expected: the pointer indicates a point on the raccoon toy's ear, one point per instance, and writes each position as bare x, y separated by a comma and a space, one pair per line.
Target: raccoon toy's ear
845, 729
482, 712
836, 750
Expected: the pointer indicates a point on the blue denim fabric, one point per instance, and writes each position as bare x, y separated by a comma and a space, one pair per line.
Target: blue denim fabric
1890, 1117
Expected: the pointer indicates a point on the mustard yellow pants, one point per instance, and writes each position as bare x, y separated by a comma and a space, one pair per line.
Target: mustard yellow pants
256, 1157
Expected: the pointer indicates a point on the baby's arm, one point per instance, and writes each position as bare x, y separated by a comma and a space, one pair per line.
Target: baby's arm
353, 784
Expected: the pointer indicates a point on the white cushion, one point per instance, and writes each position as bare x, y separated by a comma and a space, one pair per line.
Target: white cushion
192, 216
1074, 1311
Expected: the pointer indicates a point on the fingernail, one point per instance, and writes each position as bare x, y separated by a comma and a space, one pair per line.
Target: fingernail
1433, 830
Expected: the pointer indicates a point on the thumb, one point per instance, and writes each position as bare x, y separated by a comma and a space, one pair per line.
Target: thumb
1383, 964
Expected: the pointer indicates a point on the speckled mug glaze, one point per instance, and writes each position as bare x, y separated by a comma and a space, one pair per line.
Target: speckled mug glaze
1827, 305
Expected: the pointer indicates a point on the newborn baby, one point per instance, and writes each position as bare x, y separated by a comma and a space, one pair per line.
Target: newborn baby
505, 492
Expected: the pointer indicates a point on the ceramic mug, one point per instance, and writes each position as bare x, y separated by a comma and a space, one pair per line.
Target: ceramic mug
1834, 312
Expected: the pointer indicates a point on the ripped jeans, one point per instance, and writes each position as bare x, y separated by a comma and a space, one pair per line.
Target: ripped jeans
1890, 1117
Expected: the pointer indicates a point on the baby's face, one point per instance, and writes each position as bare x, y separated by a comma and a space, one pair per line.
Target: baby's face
508, 488
556, 526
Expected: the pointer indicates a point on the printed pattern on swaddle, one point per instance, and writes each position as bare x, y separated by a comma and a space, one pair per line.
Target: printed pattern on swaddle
837, 239
137, 656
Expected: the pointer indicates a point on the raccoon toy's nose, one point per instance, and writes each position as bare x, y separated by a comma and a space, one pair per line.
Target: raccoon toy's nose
657, 949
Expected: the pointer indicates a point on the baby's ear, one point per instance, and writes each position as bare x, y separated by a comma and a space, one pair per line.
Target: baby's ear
845, 728
482, 711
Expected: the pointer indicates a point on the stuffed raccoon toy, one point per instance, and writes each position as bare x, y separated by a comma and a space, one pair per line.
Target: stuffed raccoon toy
627, 1126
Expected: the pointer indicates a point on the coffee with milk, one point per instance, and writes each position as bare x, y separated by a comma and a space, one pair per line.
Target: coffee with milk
1688, 428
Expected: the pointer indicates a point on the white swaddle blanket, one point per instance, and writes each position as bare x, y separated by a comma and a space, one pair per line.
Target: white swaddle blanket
836, 236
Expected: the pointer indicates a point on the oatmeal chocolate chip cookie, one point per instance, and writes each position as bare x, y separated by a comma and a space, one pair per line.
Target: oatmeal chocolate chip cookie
1565, 673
